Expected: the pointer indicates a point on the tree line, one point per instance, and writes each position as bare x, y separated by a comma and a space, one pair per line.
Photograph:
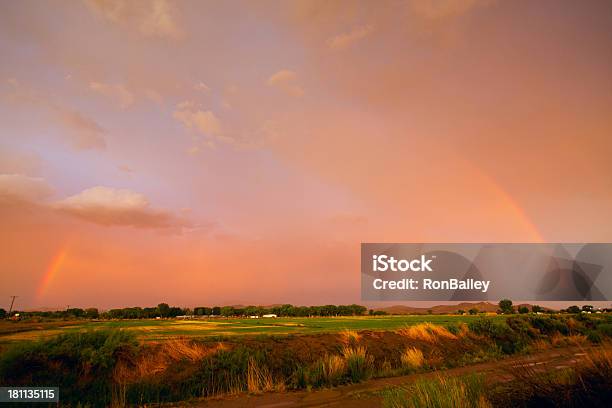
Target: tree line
163, 310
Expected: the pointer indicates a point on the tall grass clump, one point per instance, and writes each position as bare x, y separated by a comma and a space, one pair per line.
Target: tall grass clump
412, 358
426, 332
350, 337
358, 363
442, 392
327, 371
259, 378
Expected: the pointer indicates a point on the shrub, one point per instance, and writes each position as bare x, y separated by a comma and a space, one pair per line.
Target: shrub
519, 324
453, 329
505, 337
605, 329
549, 325
594, 337
81, 364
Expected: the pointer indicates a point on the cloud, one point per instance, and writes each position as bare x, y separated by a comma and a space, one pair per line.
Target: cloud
118, 93
85, 132
192, 117
18, 187
286, 81
152, 18
154, 96
108, 206
345, 40
125, 168
18, 162
201, 87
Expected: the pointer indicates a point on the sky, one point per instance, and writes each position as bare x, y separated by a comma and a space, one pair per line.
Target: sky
206, 152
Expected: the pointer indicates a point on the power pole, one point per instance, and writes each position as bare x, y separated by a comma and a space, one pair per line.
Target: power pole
12, 302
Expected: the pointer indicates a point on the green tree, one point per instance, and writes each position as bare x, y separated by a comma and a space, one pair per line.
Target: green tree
523, 309
163, 309
536, 309
573, 309
76, 312
587, 308
473, 311
505, 305
227, 311
460, 312
2, 313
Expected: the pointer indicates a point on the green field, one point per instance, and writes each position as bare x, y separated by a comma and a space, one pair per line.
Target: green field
161, 329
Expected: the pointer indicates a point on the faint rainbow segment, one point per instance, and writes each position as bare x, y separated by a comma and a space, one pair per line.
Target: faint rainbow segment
51, 271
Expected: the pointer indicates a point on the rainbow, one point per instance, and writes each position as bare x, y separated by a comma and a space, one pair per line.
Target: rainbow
54, 266
508, 202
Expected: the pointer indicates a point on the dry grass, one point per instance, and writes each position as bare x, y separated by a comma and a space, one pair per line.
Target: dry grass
158, 359
259, 379
180, 349
333, 367
577, 339
464, 330
412, 358
358, 363
353, 352
585, 384
350, 337
426, 332
440, 392
600, 360
572, 324
557, 339
540, 345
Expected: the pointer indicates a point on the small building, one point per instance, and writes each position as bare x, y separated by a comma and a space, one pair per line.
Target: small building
270, 315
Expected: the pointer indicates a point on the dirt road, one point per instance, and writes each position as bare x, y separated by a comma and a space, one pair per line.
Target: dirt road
363, 394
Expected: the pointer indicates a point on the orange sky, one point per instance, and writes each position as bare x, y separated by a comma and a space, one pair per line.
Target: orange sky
204, 153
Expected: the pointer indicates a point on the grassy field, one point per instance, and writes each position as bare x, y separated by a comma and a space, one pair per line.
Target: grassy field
161, 329
122, 362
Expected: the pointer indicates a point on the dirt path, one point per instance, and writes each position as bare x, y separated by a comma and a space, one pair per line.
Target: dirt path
362, 395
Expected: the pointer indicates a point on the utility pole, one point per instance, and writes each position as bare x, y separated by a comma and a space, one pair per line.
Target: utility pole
12, 302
